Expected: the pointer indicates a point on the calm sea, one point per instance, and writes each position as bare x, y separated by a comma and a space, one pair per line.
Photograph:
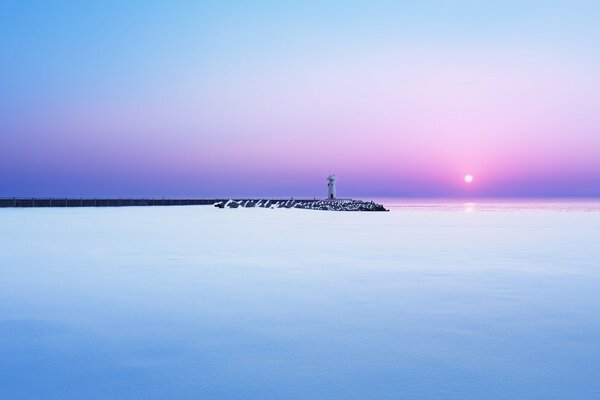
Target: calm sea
435, 300
580, 205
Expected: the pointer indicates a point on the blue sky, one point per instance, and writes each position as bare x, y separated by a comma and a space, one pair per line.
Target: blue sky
268, 98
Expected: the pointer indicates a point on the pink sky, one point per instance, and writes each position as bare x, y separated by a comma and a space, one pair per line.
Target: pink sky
249, 112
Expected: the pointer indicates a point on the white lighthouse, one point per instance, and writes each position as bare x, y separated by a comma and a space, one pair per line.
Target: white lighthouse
331, 187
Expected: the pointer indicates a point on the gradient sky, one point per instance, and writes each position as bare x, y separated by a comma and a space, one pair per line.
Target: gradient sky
177, 98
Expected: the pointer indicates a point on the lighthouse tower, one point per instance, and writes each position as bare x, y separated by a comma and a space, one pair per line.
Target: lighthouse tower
331, 187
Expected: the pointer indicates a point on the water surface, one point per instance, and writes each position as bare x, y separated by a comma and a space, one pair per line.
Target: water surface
454, 302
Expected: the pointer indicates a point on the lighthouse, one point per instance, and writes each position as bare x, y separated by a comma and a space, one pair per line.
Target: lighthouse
331, 187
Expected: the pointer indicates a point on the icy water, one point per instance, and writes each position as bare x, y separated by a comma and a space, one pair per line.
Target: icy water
434, 300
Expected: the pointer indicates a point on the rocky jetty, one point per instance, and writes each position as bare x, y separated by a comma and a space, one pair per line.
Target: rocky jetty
309, 204
326, 205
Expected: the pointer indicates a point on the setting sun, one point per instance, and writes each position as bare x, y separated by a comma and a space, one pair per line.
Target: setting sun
468, 178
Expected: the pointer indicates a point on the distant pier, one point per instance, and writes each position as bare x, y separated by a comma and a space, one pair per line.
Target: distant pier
311, 204
23, 202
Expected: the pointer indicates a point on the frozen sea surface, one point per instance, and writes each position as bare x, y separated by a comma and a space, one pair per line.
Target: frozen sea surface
203, 303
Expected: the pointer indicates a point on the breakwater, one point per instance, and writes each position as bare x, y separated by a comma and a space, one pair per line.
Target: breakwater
325, 205
309, 204
101, 202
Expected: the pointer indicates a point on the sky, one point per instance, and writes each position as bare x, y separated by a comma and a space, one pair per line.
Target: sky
266, 98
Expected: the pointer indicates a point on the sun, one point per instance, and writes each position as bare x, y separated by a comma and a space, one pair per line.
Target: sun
468, 178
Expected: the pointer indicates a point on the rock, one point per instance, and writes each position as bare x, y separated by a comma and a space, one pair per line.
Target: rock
324, 205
